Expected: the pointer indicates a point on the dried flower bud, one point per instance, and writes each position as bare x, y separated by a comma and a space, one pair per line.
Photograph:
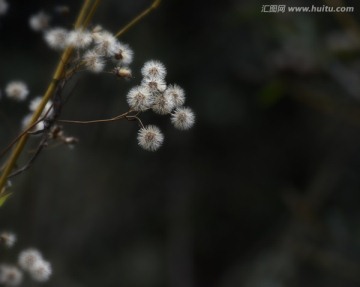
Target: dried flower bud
123, 72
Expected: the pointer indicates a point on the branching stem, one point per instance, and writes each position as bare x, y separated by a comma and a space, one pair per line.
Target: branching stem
10, 163
144, 13
116, 118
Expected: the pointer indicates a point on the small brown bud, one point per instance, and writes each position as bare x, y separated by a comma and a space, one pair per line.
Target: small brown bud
123, 72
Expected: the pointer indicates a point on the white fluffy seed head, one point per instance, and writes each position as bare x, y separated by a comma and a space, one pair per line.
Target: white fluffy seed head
41, 271
39, 22
79, 39
153, 69
4, 6
10, 275
177, 94
7, 238
163, 104
123, 54
183, 118
93, 61
56, 38
150, 138
105, 43
155, 85
17, 90
28, 258
139, 98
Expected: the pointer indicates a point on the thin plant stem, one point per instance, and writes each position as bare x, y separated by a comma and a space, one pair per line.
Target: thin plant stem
116, 118
59, 71
9, 146
82, 14
153, 6
91, 13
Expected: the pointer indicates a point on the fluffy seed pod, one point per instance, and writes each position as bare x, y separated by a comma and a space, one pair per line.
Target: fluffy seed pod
183, 118
150, 138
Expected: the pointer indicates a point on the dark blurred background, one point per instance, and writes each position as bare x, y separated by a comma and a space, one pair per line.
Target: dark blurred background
262, 192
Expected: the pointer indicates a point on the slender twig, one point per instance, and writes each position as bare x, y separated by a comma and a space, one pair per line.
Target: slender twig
116, 118
42, 144
135, 117
153, 6
11, 144
49, 121
91, 13
82, 14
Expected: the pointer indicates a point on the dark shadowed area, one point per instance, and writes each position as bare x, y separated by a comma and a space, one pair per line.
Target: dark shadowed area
264, 190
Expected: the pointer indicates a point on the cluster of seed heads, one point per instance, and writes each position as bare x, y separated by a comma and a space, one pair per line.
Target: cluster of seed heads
154, 94
30, 261
96, 48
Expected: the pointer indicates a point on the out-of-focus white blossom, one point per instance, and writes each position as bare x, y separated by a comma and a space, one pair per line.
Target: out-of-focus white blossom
35, 102
26, 122
7, 238
39, 21
28, 258
4, 6
17, 90
10, 275
41, 271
